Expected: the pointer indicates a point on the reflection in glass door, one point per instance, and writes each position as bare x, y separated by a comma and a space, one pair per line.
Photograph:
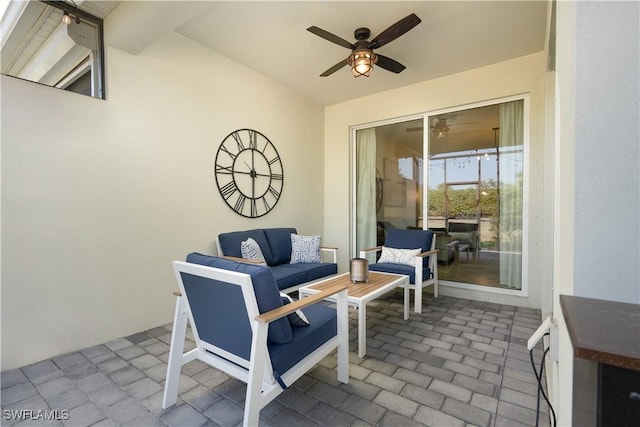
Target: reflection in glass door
462, 218
475, 194
388, 181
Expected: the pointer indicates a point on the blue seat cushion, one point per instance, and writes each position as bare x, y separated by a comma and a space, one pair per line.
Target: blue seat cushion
264, 287
288, 275
322, 326
280, 244
230, 243
401, 269
316, 271
410, 239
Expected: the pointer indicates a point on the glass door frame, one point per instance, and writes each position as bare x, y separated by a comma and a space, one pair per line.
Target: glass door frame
428, 116
426, 119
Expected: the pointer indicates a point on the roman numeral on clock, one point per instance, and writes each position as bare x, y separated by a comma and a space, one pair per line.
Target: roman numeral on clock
274, 192
238, 139
228, 189
240, 203
227, 170
253, 141
226, 150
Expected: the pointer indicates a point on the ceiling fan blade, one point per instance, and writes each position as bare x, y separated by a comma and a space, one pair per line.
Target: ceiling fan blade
395, 31
334, 68
389, 64
331, 37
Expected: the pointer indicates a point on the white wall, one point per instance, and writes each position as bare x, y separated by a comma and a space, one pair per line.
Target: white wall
98, 197
518, 76
607, 151
597, 218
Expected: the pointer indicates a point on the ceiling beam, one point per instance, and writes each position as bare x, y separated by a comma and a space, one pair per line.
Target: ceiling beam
134, 26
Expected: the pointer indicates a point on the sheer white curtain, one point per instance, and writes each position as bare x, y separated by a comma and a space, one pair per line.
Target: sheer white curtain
365, 189
510, 170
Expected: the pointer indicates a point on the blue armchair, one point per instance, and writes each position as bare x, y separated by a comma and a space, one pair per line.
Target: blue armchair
241, 326
420, 265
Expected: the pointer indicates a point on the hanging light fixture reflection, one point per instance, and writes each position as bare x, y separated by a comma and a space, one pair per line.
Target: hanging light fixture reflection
441, 130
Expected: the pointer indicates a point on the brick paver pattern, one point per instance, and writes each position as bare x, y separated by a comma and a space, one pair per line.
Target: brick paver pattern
459, 363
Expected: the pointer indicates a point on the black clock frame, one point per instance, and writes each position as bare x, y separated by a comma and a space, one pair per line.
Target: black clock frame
249, 173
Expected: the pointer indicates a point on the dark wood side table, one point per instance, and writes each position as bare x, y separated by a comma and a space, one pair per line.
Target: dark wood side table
606, 372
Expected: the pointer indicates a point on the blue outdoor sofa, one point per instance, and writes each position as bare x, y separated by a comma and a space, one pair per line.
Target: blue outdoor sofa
275, 244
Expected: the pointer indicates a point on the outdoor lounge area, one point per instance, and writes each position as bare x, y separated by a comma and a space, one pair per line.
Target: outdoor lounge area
134, 133
459, 363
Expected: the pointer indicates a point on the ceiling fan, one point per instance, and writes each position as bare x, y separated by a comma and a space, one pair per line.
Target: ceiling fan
441, 128
362, 57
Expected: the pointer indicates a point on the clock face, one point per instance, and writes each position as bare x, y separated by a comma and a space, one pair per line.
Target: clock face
249, 173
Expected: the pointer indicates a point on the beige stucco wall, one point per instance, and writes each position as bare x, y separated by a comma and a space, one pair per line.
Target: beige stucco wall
523, 75
98, 197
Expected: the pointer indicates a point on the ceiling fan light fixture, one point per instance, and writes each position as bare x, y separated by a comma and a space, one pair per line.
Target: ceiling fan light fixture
361, 62
441, 130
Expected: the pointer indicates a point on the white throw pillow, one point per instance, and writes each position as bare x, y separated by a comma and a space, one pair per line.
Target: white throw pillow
250, 249
305, 249
399, 256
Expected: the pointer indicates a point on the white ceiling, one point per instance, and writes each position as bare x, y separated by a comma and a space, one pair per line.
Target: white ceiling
271, 37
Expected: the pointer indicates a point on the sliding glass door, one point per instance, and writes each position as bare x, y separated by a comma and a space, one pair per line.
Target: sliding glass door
473, 197
475, 194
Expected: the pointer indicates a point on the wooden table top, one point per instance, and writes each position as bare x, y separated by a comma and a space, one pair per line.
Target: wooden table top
603, 331
358, 290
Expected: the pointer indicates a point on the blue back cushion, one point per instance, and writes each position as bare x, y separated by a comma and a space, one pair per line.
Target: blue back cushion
230, 243
280, 244
214, 305
264, 287
410, 239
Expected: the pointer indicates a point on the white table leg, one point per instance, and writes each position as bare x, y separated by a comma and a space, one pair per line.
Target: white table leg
362, 329
406, 299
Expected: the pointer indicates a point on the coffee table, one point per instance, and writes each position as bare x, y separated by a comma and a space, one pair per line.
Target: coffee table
359, 294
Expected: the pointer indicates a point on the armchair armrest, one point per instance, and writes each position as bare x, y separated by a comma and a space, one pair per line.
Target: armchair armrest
363, 252
427, 253
287, 309
333, 250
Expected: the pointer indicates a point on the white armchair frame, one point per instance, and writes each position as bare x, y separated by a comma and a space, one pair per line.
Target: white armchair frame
257, 371
430, 281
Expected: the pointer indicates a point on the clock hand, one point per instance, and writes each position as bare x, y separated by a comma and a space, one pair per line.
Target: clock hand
253, 172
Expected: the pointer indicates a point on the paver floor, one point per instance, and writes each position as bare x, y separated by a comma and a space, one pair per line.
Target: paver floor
459, 363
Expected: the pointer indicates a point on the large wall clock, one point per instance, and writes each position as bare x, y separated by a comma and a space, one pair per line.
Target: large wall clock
249, 173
